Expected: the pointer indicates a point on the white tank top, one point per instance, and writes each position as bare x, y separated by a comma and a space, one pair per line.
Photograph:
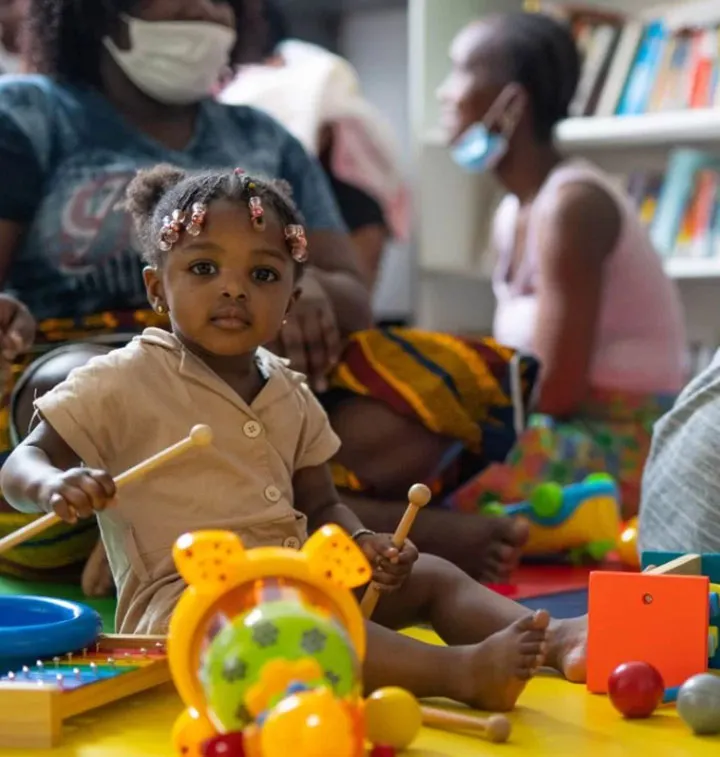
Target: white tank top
640, 343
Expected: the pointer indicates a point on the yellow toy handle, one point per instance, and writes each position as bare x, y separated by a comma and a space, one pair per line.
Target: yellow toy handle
200, 436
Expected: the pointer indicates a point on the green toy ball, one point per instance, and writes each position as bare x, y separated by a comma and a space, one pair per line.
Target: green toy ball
287, 630
547, 500
493, 508
599, 478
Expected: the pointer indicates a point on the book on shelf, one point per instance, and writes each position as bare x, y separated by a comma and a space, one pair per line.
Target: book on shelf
681, 206
658, 62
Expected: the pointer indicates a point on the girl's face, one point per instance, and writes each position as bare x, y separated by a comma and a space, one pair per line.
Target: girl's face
212, 11
229, 289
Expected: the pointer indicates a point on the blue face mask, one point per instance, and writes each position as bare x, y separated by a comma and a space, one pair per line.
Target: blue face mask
479, 150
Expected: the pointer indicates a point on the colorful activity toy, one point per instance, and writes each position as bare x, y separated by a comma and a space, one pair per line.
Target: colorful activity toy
200, 436
266, 647
583, 519
262, 640
36, 698
634, 616
419, 496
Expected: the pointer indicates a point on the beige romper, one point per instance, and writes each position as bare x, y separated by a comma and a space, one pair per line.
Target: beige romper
123, 407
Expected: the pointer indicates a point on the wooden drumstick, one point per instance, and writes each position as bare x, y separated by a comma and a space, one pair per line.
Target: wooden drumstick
496, 728
418, 496
200, 436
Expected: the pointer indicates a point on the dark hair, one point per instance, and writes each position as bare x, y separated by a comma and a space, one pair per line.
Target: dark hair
542, 56
64, 37
155, 193
277, 28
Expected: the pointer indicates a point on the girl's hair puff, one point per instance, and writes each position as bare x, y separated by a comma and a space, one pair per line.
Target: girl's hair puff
155, 193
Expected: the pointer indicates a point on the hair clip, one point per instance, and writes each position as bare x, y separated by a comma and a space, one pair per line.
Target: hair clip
197, 219
295, 236
171, 228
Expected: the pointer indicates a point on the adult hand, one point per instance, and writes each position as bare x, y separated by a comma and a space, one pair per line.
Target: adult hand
17, 328
311, 338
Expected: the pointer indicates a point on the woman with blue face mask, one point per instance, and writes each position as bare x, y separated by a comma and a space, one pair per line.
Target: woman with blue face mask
577, 281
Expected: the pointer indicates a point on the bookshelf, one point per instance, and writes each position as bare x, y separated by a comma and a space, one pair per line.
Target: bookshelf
453, 210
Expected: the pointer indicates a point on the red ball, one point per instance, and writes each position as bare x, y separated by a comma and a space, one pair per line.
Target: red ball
225, 745
636, 689
380, 750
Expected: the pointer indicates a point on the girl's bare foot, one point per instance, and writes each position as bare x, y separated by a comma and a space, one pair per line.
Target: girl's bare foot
499, 668
567, 648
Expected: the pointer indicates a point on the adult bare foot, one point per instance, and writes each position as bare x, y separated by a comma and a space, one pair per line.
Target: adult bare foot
499, 668
489, 548
567, 648
97, 580
486, 547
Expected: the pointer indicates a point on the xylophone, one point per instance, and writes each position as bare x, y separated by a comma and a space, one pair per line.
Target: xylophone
36, 699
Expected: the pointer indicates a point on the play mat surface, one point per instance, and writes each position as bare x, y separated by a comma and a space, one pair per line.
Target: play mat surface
554, 718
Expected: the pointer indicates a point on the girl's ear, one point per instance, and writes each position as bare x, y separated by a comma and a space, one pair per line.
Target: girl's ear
154, 288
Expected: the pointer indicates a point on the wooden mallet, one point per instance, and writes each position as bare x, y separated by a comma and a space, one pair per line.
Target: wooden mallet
418, 496
496, 728
200, 436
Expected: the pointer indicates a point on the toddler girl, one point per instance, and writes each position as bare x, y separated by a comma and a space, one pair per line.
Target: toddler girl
224, 256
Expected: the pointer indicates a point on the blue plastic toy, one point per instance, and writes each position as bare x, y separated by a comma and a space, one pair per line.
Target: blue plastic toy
33, 628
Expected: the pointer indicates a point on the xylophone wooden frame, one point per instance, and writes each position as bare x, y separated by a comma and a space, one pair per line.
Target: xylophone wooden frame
32, 716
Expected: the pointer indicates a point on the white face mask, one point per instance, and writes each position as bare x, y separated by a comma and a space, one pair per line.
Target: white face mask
174, 62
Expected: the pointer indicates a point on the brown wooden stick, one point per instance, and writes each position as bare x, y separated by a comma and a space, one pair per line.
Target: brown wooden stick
200, 436
496, 728
418, 496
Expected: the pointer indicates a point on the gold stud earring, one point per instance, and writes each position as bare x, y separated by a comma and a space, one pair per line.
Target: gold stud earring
160, 309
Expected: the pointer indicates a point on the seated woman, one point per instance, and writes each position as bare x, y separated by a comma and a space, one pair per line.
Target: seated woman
577, 282
317, 96
122, 85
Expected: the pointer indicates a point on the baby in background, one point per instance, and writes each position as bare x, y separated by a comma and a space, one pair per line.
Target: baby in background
225, 254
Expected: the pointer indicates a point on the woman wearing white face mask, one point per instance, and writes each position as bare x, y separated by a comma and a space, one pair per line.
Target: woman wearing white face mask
124, 84
578, 282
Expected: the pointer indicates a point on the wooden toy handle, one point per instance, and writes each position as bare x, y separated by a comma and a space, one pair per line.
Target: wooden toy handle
496, 728
200, 436
418, 497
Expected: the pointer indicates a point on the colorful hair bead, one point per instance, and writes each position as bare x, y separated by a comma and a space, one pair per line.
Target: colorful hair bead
171, 228
257, 213
295, 237
197, 219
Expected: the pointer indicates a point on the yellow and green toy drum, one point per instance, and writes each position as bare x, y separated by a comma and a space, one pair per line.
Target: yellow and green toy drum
266, 647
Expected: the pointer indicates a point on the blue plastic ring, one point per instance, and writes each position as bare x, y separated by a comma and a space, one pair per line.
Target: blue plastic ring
37, 628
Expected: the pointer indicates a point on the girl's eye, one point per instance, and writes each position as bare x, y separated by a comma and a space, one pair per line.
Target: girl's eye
203, 268
265, 275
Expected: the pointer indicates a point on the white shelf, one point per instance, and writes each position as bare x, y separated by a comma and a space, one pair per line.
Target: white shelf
662, 130
692, 268
651, 130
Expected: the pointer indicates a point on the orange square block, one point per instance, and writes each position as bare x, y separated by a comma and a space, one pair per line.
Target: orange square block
659, 619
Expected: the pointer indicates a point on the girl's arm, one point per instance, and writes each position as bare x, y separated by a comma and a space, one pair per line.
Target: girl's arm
317, 498
32, 464
581, 230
